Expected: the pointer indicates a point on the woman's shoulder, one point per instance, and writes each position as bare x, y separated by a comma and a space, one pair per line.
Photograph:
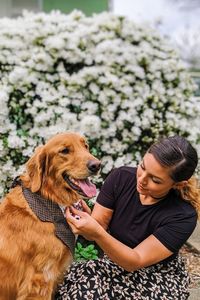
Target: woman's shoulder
181, 206
122, 174
127, 170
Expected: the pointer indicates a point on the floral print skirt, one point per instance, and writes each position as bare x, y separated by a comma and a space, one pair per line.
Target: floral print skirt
104, 280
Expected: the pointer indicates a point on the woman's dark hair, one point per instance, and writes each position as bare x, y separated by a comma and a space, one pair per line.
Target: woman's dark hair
176, 152
179, 155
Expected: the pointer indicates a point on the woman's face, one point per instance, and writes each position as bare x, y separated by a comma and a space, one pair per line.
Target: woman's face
152, 178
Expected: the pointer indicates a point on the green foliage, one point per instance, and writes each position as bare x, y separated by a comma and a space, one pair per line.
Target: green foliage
85, 253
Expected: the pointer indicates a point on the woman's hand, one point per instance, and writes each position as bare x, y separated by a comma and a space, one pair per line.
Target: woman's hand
84, 225
85, 207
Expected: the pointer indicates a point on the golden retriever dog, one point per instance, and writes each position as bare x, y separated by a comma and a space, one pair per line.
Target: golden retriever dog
32, 257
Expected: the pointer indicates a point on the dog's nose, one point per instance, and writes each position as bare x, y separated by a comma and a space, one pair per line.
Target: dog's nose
93, 166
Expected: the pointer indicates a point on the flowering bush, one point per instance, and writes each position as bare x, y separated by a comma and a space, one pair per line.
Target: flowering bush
118, 83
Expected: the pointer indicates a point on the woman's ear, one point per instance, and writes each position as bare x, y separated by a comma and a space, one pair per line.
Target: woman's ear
181, 184
35, 168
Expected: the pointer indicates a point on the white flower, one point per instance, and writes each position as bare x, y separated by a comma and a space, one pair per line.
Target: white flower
55, 42
116, 82
15, 142
94, 88
4, 96
1, 188
3, 105
18, 75
119, 162
107, 163
91, 126
28, 151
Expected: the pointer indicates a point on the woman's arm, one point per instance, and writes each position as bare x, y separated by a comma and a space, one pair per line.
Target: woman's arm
102, 215
149, 252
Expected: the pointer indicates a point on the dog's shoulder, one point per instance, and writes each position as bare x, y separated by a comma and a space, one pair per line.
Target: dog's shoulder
15, 202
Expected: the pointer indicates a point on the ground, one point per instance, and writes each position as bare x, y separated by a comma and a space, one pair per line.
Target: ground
192, 260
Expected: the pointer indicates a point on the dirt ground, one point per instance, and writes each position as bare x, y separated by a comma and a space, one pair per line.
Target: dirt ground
192, 260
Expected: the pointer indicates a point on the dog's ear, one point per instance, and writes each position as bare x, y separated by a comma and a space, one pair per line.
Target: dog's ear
35, 168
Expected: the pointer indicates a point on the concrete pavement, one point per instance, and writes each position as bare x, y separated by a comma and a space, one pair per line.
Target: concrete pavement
194, 241
194, 294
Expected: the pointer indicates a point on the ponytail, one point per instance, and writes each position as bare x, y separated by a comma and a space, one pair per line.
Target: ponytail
191, 193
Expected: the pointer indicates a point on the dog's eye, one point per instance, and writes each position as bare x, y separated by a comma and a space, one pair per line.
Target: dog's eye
65, 150
86, 146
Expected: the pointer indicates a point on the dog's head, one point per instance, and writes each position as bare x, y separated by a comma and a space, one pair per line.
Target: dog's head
59, 170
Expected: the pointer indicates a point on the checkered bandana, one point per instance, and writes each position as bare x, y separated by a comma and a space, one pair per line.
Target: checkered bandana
48, 211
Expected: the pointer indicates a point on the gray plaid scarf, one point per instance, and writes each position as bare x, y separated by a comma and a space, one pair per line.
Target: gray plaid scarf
49, 211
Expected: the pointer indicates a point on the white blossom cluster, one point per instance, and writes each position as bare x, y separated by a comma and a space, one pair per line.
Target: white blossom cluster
118, 83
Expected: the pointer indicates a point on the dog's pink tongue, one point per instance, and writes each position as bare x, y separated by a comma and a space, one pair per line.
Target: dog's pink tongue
88, 188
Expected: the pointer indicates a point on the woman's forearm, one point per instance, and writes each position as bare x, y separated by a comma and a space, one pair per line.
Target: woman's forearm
121, 254
146, 253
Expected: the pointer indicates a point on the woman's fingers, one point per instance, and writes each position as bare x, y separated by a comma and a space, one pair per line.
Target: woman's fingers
81, 223
69, 216
77, 212
72, 221
85, 207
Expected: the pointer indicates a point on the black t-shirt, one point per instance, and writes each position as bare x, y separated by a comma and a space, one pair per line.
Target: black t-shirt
171, 220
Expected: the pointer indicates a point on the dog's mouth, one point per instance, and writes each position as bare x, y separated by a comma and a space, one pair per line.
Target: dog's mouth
84, 187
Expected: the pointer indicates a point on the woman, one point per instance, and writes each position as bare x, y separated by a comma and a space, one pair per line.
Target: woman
140, 220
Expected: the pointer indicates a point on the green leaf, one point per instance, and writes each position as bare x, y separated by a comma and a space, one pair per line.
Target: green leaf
79, 246
90, 247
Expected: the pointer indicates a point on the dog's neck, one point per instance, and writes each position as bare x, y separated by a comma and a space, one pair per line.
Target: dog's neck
63, 208
49, 211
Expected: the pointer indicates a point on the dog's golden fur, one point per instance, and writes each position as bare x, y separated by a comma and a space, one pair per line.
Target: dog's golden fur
32, 258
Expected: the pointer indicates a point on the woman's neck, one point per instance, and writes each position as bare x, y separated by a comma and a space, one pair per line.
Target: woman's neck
159, 198
147, 200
